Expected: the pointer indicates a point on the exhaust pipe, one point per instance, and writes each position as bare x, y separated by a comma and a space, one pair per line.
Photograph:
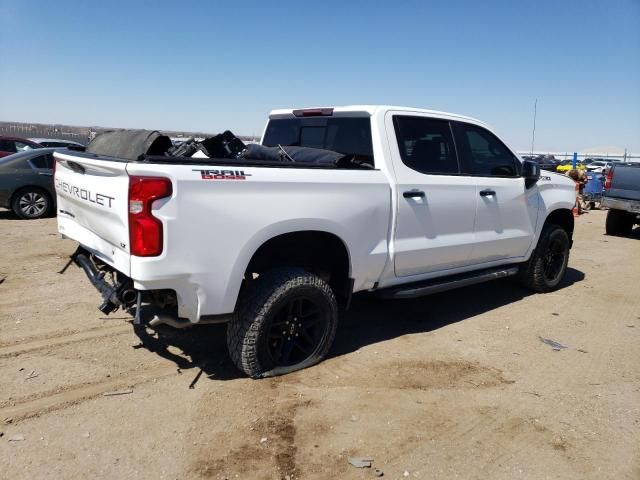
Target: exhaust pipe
128, 296
169, 320
175, 322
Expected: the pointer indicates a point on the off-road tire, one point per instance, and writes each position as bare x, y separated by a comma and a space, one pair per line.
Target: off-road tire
42, 203
264, 298
619, 222
532, 274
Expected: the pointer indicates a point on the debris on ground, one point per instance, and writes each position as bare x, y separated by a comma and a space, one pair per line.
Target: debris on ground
33, 374
86, 435
406, 473
263, 439
18, 437
378, 473
117, 392
556, 346
360, 462
582, 350
192, 385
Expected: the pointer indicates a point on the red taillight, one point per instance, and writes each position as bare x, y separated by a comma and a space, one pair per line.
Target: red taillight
607, 181
145, 230
314, 112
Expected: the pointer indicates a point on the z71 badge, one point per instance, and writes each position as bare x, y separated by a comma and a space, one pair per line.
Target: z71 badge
223, 174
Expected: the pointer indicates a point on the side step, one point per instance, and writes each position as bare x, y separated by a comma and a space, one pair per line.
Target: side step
427, 287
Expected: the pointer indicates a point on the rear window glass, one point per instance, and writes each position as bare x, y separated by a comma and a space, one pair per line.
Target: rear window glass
351, 136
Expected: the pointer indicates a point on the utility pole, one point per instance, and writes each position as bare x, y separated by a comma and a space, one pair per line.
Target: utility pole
533, 134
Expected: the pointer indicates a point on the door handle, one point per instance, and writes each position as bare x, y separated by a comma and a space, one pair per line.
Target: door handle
413, 194
487, 193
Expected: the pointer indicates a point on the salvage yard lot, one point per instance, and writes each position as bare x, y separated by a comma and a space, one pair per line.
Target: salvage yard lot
456, 384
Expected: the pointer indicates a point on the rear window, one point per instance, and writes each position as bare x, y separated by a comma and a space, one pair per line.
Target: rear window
351, 136
43, 161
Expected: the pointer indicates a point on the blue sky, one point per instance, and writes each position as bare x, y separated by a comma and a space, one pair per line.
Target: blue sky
208, 65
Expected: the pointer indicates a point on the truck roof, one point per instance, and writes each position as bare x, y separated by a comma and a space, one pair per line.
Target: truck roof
372, 110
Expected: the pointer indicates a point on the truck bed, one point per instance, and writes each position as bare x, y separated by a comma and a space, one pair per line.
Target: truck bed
217, 215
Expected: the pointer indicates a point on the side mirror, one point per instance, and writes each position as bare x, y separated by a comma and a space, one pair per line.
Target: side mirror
530, 173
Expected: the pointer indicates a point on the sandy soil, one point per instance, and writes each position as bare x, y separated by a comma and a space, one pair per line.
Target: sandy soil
456, 385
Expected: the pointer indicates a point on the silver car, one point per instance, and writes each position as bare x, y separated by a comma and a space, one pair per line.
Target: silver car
26, 183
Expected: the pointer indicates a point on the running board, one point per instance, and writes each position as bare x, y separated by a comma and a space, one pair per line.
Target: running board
427, 287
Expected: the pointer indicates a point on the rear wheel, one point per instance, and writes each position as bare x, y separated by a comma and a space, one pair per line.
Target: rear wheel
619, 222
286, 321
31, 203
548, 263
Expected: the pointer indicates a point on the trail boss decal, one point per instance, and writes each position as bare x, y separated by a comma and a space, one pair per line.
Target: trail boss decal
223, 174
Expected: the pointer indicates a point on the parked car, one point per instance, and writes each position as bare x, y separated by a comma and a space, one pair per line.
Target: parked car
58, 143
400, 202
11, 145
566, 165
599, 166
622, 197
26, 183
547, 162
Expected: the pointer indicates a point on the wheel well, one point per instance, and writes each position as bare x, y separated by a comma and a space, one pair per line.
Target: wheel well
321, 253
564, 218
25, 187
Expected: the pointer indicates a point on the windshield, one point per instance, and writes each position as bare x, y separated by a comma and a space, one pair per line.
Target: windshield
347, 135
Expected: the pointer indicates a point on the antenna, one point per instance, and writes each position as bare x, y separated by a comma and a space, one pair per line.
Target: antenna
533, 134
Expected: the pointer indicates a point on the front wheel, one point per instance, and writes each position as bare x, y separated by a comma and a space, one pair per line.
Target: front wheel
548, 263
286, 321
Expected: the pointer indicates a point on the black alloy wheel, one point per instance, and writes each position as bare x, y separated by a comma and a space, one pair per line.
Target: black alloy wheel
296, 331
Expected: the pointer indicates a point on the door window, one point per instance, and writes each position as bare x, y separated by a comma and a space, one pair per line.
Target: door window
483, 153
7, 146
426, 144
22, 147
43, 161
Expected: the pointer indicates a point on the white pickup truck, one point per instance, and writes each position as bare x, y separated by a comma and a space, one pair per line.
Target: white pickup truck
419, 202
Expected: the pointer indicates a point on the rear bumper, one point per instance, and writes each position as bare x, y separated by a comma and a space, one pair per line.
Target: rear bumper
632, 206
123, 291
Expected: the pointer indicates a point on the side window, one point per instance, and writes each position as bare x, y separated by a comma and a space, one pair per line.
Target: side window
483, 153
41, 162
426, 144
22, 147
7, 146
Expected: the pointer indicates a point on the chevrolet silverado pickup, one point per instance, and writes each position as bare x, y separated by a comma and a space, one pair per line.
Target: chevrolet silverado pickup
622, 197
401, 202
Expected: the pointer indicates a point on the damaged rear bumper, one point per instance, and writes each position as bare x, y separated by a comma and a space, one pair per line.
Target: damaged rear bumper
118, 291
115, 294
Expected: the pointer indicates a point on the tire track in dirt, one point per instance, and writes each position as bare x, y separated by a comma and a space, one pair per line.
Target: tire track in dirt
44, 403
62, 339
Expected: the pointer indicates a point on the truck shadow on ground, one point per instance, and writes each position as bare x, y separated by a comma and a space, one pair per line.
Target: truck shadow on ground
369, 321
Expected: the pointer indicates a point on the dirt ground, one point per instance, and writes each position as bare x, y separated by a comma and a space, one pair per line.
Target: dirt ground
456, 385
